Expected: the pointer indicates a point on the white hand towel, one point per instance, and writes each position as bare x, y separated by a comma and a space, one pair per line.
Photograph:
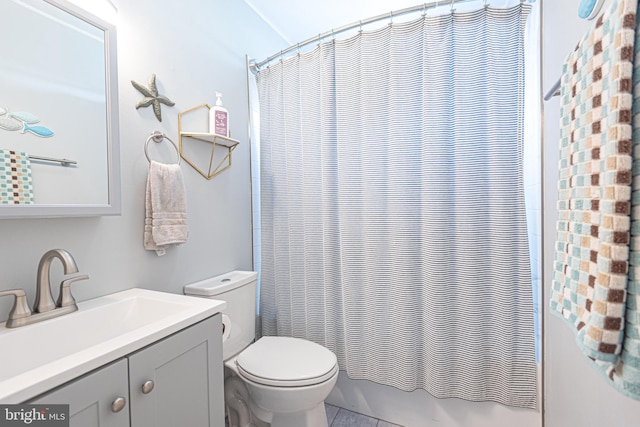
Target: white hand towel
165, 220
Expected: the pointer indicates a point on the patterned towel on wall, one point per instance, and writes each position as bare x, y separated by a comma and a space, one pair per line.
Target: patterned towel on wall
15, 178
591, 271
626, 375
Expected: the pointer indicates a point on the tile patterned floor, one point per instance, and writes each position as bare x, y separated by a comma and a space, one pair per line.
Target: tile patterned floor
339, 417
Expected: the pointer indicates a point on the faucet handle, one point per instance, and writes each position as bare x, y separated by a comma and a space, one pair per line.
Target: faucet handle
65, 299
20, 307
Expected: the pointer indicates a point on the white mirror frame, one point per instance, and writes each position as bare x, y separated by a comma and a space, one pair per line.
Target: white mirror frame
113, 207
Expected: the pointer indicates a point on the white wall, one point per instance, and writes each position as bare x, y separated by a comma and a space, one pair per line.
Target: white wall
575, 394
195, 47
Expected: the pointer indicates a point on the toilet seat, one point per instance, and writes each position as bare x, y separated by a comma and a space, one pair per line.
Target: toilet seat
286, 362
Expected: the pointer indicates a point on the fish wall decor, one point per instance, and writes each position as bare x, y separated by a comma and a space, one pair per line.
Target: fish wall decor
37, 130
10, 124
21, 120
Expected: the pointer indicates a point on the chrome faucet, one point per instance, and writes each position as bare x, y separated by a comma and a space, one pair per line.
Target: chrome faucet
44, 307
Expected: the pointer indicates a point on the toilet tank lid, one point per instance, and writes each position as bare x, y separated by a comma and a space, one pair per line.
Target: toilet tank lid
220, 284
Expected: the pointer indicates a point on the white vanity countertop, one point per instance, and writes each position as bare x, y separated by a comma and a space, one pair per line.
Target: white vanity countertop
38, 357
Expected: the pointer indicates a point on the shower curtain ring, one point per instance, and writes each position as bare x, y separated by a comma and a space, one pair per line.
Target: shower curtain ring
452, 9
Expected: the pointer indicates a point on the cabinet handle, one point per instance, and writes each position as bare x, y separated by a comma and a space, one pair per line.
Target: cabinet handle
147, 387
118, 404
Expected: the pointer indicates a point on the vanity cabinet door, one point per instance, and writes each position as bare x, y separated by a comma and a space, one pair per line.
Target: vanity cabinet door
93, 399
178, 381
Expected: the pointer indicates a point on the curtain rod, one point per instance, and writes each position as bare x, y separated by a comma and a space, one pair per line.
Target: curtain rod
423, 7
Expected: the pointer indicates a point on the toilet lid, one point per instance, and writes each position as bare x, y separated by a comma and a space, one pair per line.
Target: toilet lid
286, 362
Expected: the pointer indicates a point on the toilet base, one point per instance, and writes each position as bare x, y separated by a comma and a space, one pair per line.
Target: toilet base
316, 417
243, 412
236, 399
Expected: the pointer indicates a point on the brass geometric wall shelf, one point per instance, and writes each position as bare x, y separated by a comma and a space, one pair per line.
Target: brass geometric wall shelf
189, 150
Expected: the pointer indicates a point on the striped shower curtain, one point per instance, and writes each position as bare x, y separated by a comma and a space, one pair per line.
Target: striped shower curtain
393, 221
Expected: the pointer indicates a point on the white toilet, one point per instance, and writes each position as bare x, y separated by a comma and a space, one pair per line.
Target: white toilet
277, 381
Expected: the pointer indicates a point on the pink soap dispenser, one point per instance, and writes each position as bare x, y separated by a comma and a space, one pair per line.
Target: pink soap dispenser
219, 118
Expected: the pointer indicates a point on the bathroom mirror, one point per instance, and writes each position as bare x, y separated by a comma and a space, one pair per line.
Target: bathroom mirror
59, 135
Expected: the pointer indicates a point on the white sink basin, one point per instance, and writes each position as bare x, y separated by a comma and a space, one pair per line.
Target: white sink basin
39, 357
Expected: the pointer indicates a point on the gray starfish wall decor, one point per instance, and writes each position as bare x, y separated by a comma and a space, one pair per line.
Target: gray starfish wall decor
151, 97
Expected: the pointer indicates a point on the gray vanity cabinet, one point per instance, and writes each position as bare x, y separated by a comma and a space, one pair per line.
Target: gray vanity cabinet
91, 397
177, 381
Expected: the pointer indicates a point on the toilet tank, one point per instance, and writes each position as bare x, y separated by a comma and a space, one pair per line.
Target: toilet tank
238, 290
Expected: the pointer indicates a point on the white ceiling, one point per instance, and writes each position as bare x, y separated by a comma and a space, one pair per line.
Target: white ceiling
298, 20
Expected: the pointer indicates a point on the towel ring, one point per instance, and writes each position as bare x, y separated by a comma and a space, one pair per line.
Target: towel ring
158, 137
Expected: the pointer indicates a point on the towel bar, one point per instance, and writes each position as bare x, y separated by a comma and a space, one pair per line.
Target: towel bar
554, 91
63, 162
